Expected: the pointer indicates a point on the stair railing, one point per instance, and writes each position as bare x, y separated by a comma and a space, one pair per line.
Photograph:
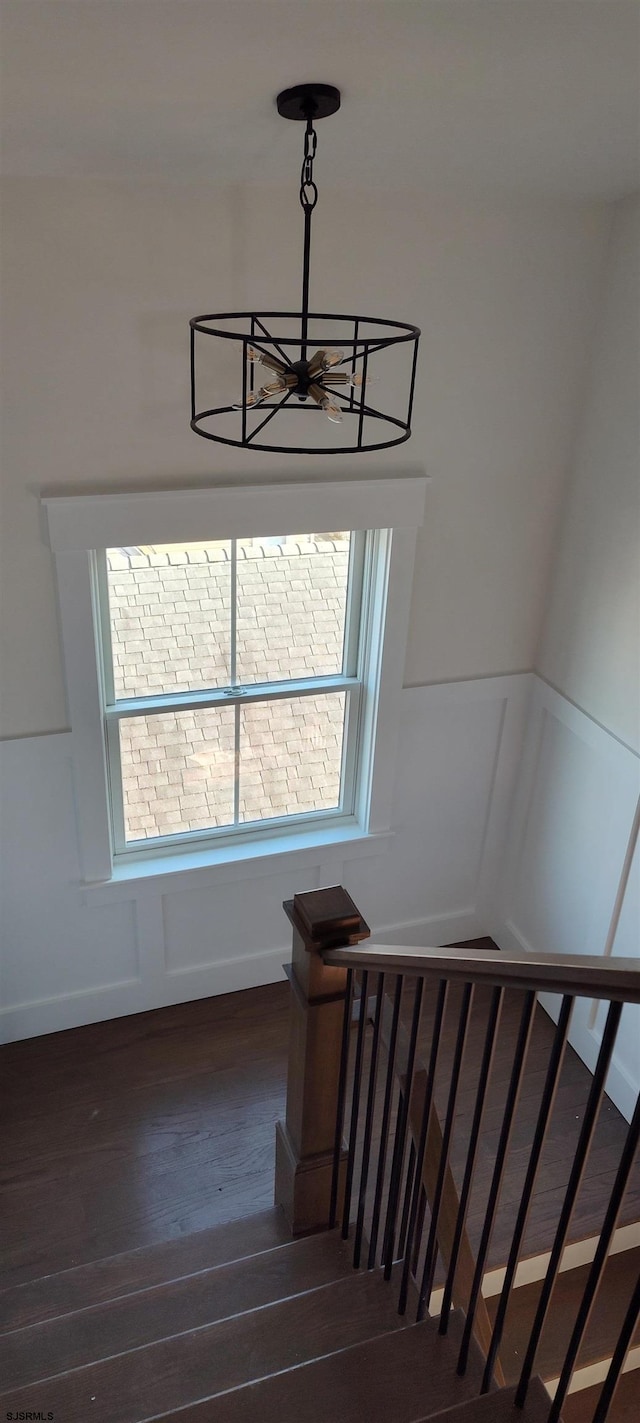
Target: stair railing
393, 1182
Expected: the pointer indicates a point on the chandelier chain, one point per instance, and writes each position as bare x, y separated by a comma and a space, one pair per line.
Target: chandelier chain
308, 189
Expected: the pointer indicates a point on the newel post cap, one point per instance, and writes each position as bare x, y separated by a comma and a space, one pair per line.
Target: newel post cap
326, 918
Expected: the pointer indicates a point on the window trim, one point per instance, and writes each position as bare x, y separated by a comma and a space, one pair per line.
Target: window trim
80, 525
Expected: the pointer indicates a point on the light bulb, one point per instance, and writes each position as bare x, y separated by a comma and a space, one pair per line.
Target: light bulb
331, 410
357, 379
332, 358
272, 363
274, 387
253, 398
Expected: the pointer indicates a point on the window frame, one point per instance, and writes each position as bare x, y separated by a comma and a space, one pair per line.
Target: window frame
392, 509
349, 680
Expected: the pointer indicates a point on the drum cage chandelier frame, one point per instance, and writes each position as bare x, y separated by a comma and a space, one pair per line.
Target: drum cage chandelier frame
332, 379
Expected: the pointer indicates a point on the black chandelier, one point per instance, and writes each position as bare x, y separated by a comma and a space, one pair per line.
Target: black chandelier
316, 362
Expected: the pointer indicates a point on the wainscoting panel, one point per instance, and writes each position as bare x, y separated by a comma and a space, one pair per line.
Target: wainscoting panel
209, 927
570, 881
74, 954
56, 964
450, 811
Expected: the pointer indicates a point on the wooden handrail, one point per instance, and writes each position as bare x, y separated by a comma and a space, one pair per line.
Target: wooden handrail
582, 975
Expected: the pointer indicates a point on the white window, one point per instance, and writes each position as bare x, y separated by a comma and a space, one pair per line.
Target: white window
232, 675
232, 672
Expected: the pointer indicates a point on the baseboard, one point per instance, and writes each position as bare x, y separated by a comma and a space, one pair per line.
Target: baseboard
433, 932
98, 1005
72, 1010
233, 975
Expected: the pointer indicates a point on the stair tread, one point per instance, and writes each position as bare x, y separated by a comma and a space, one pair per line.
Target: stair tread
100, 1280
74, 1340
579, 1407
498, 1408
389, 1378
618, 1281
171, 1373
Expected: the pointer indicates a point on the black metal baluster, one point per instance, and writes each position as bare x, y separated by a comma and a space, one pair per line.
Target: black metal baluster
524, 1033
386, 1117
599, 1262
546, 1107
368, 1125
488, 1054
431, 1254
342, 1093
619, 1355
408, 1187
401, 1132
573, 1186
355, 1104
436, 1035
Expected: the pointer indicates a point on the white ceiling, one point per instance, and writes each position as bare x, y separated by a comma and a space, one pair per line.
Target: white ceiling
533, 96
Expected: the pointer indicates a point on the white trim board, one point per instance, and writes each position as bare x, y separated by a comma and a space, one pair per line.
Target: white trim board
82, 522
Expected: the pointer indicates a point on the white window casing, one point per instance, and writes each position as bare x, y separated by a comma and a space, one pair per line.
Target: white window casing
82, 527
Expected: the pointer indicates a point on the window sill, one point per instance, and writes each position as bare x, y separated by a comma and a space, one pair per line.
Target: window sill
253, 858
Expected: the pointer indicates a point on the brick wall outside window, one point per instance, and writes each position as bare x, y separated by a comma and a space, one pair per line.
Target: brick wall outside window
170, 632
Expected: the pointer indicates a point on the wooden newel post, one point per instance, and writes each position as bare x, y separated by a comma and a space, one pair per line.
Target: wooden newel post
321, 919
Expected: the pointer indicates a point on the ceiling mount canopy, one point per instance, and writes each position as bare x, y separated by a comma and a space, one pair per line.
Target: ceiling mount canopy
304, 363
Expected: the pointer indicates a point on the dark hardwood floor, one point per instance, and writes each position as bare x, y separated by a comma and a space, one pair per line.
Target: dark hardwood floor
140, 1129
151, 1127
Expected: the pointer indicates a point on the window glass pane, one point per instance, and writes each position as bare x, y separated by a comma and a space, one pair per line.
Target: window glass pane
291, 599
177, 772
170, 612
290, 756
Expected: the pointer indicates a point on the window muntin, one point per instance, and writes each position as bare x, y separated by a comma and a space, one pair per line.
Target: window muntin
191, 739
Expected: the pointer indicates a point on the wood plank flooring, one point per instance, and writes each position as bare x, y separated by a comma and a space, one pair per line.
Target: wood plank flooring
140, 1129
150, 1127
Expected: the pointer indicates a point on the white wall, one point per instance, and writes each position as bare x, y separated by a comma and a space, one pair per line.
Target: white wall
590, 648
565, 885
100, 279
572, 881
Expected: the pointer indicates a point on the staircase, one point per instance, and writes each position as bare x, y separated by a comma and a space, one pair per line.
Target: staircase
241, 1322
235, 1323
404, 1314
